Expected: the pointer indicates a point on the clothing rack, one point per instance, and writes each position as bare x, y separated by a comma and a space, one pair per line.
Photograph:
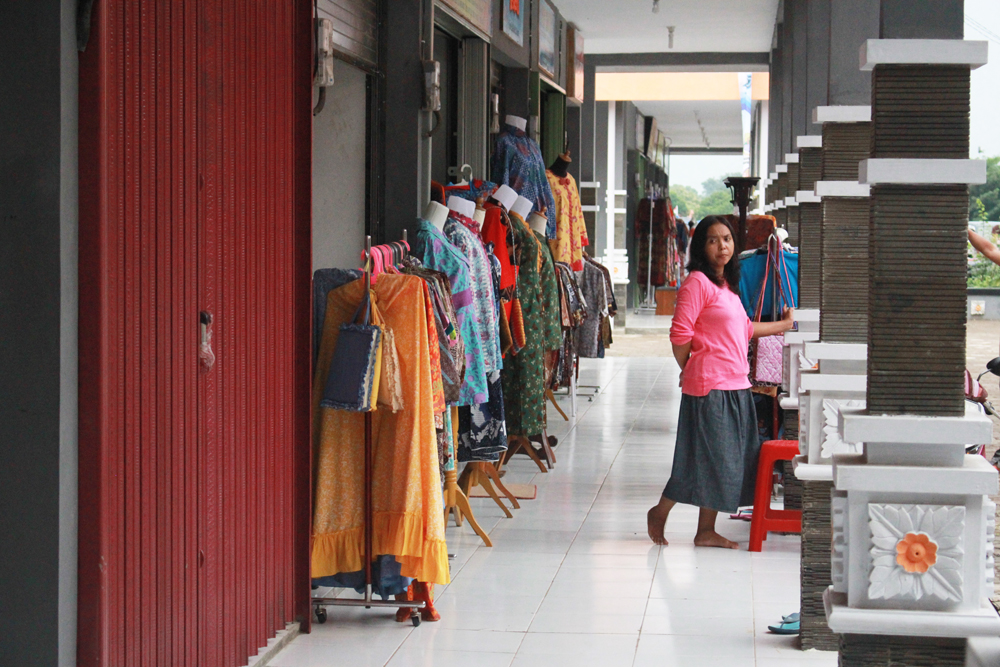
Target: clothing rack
320, 603
649, 303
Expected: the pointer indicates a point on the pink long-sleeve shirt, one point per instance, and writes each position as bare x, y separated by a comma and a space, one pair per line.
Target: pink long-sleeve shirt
712, 319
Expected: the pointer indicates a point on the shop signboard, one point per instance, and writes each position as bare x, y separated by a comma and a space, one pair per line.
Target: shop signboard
548, 39
513, 20
478, 13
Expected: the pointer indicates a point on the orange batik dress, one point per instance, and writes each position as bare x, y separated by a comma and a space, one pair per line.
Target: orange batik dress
406, 483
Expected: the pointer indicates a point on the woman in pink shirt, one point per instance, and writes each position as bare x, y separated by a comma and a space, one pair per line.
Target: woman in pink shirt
715, 458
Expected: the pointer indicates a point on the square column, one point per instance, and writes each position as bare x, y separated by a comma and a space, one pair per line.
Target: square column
912, 563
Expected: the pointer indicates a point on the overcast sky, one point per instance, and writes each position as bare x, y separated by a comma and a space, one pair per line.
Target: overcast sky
985, 133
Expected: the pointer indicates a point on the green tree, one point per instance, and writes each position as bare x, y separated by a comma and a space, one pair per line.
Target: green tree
713, 185
717, 203
685, 198
984, 200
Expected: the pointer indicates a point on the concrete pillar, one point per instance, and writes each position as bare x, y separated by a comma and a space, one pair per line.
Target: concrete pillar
818, 61
800, 70
787, 69
38, 327
776, 97
851, 23
588, 126
894, 602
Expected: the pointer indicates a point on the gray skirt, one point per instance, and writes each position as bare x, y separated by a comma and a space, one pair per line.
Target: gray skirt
715, 458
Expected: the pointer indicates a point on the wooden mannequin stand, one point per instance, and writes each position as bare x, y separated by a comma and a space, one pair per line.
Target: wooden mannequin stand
485, 474
454, 498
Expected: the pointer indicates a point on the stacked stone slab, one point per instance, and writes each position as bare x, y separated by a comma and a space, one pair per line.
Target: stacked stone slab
810, 220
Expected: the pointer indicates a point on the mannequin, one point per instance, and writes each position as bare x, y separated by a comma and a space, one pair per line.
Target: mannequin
461, 206
436, 214
479, 216
506, 196
516, 121
559, 166
522, 207
537, 222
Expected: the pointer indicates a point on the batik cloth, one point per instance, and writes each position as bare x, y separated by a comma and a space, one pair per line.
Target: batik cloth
407, 506
524, 373
481, 284
571, 230
440, 254
588, 334
517, 162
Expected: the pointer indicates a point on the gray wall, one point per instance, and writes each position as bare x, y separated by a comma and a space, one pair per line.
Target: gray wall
339, 174
38, 297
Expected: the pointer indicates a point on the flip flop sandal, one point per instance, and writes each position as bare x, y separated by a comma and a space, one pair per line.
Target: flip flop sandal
743, 514
791, 618
785, 628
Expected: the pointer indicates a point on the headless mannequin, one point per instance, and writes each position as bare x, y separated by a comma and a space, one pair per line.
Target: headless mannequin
561, 164
537, 222
436, 214
516, 121
479, 216
522, 207
461, 206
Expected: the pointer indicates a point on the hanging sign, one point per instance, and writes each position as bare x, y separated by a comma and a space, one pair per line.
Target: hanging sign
574, 64
548, 41
513, 21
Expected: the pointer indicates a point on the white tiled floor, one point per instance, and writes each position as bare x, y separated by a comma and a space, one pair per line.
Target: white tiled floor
573, 579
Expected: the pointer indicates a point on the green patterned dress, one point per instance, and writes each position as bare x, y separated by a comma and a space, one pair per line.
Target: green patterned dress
523, 374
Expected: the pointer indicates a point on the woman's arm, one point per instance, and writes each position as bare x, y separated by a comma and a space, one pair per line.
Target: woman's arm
682, 353
787, 322
984, 246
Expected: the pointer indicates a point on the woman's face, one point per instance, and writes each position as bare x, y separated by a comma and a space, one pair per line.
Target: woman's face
719, 246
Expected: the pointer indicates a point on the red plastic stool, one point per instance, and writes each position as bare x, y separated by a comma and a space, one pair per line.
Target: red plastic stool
764, 518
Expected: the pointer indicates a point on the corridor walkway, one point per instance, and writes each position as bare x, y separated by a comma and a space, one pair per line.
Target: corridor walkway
573, 580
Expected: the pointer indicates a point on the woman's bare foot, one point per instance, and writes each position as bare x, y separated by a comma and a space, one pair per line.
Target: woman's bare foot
656, 521
710, 538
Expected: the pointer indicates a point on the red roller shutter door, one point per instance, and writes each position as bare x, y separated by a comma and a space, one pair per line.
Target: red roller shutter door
194, 485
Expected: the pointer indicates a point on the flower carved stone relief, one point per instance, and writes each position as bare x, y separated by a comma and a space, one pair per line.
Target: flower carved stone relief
916, 552
832, 443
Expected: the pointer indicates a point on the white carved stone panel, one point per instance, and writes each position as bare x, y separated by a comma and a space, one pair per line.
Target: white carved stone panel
838, 553
832, 442
989, 514
917, 552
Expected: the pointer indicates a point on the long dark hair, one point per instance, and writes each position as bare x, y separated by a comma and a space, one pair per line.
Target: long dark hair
699, 260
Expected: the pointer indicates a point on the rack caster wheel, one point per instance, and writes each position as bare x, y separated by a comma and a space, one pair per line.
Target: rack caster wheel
321, 615
415, 619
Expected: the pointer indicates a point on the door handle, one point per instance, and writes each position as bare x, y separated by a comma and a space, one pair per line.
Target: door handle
206, 356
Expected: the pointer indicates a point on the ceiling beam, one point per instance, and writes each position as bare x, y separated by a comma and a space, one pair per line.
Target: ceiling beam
687, 61
694, 150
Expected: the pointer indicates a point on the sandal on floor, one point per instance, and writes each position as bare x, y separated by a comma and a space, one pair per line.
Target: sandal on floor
746, 514
785, 628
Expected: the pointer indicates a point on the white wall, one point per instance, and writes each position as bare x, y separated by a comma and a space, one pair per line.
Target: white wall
339, 171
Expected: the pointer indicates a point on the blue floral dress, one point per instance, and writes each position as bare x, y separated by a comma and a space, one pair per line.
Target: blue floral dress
517, 162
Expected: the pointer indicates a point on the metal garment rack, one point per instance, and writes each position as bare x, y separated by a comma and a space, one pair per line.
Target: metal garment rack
320, 603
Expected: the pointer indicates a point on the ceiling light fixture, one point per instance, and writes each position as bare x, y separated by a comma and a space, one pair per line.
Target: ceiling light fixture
670, 36
656, 6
